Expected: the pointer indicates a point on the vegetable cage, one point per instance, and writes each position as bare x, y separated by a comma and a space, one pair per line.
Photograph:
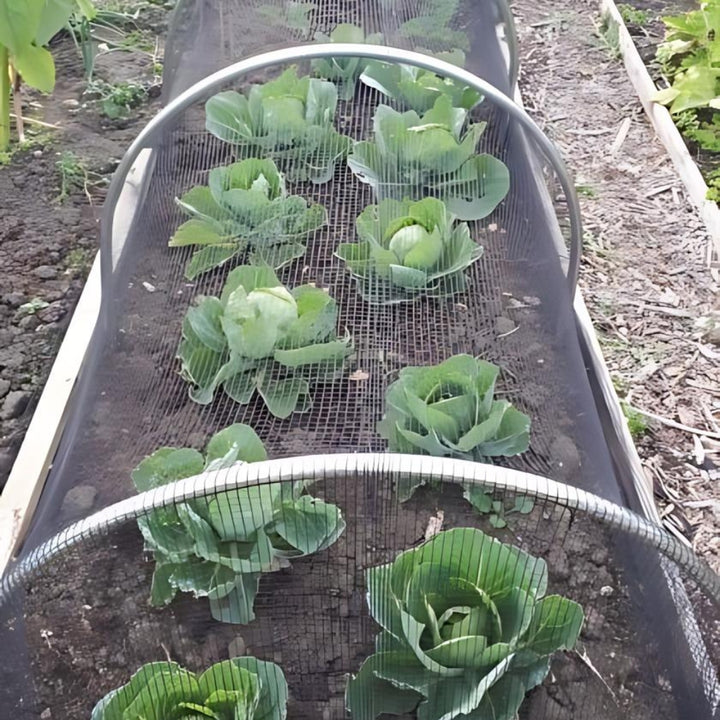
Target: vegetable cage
335, 450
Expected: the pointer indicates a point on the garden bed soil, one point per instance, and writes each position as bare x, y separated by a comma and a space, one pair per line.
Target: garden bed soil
89, 625
49, 236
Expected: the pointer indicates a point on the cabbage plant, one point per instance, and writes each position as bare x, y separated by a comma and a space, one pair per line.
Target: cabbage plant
344, 70
245, 206
260, 336
419, 89
467, 630
289, 119
242, 687
219, 546
408, 249
433, 155
449, 410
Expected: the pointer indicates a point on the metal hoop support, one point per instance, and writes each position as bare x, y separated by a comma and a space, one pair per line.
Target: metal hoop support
341, 466
217, 80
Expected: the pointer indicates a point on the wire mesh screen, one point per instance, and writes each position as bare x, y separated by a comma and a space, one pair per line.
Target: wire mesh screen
241, 29
506, 302
355, 602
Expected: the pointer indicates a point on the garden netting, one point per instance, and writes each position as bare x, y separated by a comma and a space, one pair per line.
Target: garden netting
160, 374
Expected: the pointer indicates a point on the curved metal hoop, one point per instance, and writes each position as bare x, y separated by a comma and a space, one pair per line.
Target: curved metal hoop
341, 466
373, 52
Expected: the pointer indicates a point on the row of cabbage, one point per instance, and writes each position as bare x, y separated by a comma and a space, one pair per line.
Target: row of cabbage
466, 625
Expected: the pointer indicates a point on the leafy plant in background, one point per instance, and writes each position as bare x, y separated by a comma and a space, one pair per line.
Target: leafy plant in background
468, 630
431, 27
497, 510
245, 206
690, 57
344, 71
26, 27
419, 89
289, 119
293, 16
449, 410
431, 155
408, 249
260, 336
242, 687
219, 546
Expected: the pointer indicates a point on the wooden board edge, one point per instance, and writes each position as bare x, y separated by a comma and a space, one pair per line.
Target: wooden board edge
667, 131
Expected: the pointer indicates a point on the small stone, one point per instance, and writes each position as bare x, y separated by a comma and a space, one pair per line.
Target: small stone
606, 590
149, 287
503, 325
37, 153
237, 647
79, 499
11, 357
71, 102
53, 312
14, 404
13, 299
46, 714
4, 388
599, 556
29, 322
45, 272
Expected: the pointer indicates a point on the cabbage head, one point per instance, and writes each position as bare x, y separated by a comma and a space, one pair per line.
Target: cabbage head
408, 249
467, 631
260, 336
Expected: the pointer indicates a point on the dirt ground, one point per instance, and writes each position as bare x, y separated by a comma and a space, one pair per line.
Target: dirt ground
52, 189
644, 274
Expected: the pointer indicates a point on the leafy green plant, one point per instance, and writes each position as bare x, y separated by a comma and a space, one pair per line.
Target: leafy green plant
408, 249
713, 181
245, 206
449, 410
293, 16
26, 27
432, 28
431, 155
117, 100
690, 56
418, 89
242, 687
497, 510
219, 546
345, 71
637, 422
260, 336
632, 16
289, 119
468, 630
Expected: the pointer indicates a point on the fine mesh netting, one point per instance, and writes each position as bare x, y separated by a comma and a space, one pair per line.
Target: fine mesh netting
86, 624
305, 259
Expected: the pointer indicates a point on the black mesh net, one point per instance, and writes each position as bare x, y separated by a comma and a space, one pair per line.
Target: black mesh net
402, 222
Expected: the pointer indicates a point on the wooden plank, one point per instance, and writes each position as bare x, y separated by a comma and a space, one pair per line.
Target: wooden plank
34, 460
667, 131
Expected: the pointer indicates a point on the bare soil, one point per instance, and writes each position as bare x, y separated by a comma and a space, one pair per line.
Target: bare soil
49, 234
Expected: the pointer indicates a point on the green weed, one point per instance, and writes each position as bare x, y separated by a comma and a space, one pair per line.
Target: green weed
633, 16
636, 421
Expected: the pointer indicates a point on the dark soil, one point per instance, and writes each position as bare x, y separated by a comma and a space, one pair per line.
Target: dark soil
48, 242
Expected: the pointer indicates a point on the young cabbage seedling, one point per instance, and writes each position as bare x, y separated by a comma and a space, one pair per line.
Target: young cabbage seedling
289, 120
218, 546
242, 687
245, 206
449, 410
415, 156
